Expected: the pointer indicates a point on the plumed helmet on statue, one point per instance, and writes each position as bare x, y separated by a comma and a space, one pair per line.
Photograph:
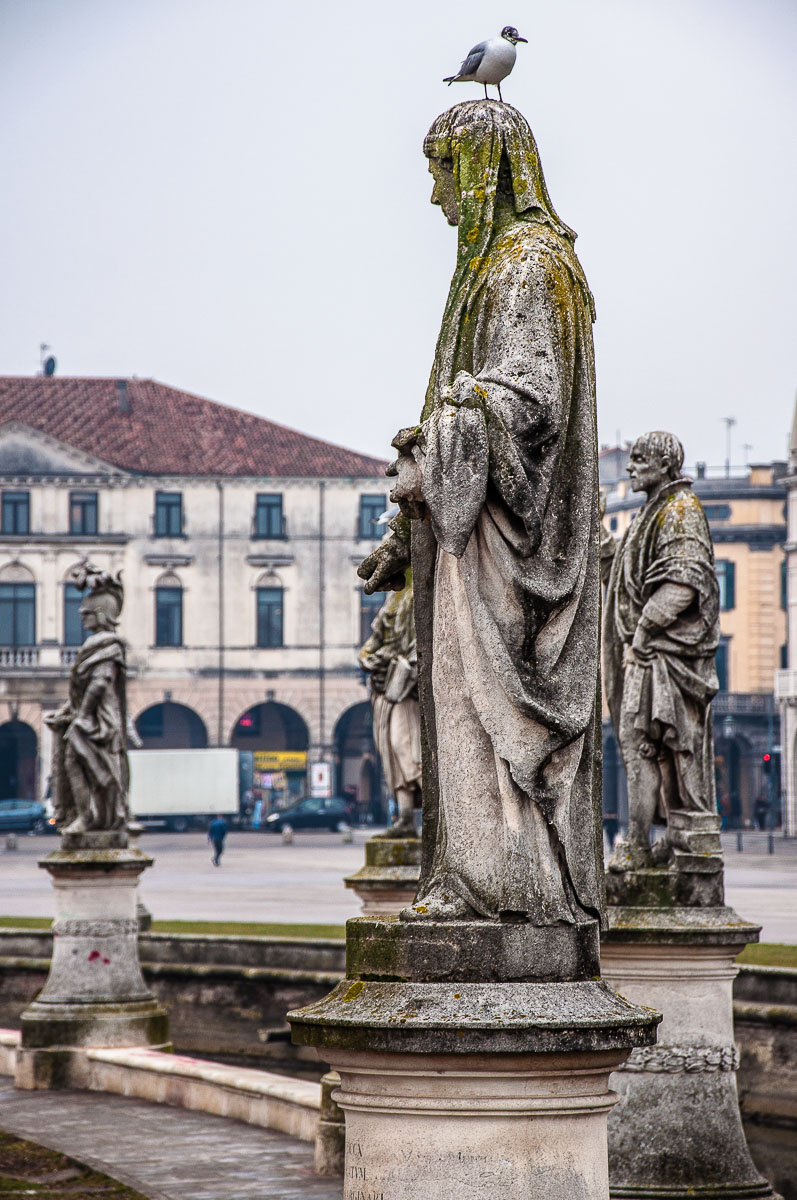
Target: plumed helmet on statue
104, 592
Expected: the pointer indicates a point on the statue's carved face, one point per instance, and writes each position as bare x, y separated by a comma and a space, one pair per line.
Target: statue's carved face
444, 192
95, 614
647, 468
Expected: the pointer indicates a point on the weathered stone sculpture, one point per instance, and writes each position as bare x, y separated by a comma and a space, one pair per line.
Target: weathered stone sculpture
95, 995
388, 880
389, 657
90, 770
473, 1028
499, 481
671, 941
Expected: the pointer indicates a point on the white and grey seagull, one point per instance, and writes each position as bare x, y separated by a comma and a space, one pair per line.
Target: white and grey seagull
490, 61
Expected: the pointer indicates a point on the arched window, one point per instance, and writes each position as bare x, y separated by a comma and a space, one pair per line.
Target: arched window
74, 632
168, 611
17, 606
269, 611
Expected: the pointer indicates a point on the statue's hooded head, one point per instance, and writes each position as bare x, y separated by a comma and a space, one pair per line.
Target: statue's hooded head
485, 155
487, 145
102, 602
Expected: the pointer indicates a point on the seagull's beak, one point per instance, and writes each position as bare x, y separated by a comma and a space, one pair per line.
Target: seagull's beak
520, 39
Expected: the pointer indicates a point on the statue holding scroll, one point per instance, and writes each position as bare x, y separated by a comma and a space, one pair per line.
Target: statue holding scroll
499, 498
660, 635
90, 767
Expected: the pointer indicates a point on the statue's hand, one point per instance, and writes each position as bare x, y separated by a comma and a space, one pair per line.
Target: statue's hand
639, 651
407, 489
383, 569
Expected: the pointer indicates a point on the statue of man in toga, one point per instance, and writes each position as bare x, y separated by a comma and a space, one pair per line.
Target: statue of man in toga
90, 767
499, 497
389, 656
660, 635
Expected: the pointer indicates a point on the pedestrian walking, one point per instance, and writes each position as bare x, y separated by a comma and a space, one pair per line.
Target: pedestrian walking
217, 832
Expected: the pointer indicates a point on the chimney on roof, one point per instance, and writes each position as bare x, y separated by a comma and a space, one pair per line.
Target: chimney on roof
122, 397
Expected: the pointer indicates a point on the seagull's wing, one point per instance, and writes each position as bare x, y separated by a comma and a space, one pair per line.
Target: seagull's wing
475, 56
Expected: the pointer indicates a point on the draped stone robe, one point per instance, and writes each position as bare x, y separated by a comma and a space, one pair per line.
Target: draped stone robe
90, 764
507, 593
668, 700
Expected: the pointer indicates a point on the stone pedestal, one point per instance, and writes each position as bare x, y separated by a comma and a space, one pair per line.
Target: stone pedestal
466, 1071
95, 995
676, 1131
389, 880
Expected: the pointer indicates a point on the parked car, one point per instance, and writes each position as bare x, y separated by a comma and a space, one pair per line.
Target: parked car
309, 813
22, 814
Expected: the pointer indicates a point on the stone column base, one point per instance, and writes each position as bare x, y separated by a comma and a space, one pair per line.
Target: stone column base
462, 1090
389, 880
479, 1126
676, 1132
95, 995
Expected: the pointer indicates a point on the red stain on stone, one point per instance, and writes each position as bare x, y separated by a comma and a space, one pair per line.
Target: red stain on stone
95, 954
106, 961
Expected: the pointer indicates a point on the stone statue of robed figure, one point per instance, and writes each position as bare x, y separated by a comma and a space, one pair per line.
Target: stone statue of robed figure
660, 635
390, 659
499, 498
90, 767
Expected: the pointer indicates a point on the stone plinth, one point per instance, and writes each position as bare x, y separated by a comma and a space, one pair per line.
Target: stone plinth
388, 881
95, 995
676, 1131
458, 1083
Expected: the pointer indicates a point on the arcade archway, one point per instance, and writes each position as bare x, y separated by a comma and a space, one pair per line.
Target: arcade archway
359, 775
171, 726
273, 740
18, 747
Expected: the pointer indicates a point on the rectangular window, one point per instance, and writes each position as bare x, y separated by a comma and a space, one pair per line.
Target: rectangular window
269, 617
726, 576
168, 616
168, 514
82, 512
17, 614
74, 633
369, 607
784, 585
16, 512
268, 516
371, 509
722, 661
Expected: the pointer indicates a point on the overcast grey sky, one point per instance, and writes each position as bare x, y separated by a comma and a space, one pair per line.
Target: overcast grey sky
230, 196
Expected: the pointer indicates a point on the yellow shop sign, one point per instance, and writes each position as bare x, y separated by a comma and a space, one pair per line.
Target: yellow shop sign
280, 760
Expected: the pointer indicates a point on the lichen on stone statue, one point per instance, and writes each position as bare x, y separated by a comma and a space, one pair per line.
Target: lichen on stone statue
499, 486
90, 772
660, 635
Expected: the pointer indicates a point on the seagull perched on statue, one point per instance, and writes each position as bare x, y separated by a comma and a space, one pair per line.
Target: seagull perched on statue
490, 61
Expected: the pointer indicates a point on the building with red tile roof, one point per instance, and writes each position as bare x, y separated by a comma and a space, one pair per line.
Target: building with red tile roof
147, 427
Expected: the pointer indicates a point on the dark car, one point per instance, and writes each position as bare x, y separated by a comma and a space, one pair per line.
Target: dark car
310, 813
22, 814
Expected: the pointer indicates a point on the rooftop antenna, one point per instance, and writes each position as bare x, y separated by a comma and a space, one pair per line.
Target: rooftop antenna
729, 424
47, 361
747, 447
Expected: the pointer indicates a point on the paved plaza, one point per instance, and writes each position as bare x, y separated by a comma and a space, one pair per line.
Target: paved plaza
261, 879
166, 1153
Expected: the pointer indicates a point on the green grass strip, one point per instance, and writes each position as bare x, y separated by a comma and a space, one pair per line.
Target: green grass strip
768, 954
230, 928
764, 954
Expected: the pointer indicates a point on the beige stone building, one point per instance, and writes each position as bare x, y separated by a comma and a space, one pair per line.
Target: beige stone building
238, 540
746, 515
786, 680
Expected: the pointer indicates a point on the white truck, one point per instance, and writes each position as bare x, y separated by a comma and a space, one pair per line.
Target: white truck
181, 789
